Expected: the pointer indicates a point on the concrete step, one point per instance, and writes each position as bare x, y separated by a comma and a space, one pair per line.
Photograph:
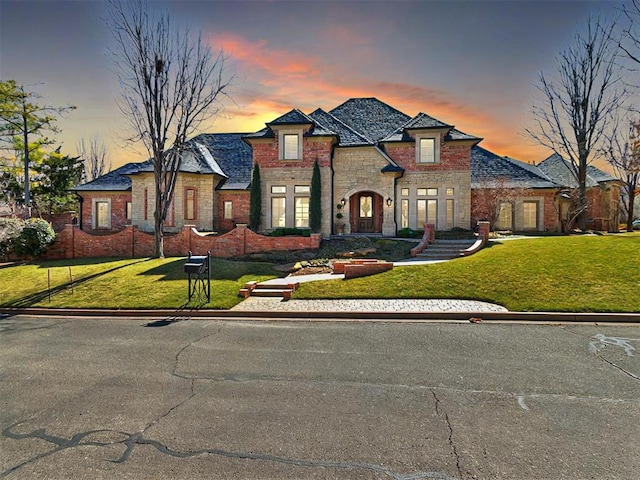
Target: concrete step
271, 292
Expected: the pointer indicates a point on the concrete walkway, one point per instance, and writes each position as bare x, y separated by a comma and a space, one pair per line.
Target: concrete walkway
266, 304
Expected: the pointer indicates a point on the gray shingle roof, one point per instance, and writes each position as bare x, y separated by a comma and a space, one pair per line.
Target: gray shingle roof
560, 171
422, 121
115, 180
293, 117
233, 155
370, 117
223, 154
347, 136
491, 170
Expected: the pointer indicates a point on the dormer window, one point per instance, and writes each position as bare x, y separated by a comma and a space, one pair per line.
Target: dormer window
290, 145
427, 150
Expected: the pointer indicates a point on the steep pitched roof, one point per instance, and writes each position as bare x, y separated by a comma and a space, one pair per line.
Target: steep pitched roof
370, 117
223, 154
232, 155
346, 135
293, 117
560, 171
422, 121
491, 170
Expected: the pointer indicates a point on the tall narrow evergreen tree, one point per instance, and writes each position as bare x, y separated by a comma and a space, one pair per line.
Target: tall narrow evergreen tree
255, 206
315, 203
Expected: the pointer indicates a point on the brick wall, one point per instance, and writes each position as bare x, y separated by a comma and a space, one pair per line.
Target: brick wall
547, 213
453, 156
241, 206
131, 242
118, 202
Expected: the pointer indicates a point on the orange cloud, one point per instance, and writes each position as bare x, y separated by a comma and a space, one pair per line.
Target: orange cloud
279, 79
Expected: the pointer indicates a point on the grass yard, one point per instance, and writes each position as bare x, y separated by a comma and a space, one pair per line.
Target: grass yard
117, 283
568, 274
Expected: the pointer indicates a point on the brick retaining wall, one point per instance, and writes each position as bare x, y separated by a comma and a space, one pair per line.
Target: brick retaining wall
130, 242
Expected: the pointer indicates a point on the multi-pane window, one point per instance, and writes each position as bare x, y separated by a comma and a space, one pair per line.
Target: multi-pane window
427, 191
530, 214
128, 210
449, 214
228, 209
278, 212
278, 189
404, 213
103, 219
421, 212
290, 148
427, 152
505, 216
432, 211
190, 204
404, 192
302, 212
301, 204
450, 192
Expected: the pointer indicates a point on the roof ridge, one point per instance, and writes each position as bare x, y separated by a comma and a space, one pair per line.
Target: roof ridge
351, 129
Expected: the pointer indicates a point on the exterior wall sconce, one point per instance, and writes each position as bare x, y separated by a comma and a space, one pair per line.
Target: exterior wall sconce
389, 201
343, 201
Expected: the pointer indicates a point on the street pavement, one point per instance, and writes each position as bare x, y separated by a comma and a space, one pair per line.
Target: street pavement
109, 398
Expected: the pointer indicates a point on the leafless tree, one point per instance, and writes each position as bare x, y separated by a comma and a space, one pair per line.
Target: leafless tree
622, 151
171, 83
95, 156
491, 194
577, 104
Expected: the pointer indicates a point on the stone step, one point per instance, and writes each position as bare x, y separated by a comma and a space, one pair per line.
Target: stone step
277, 286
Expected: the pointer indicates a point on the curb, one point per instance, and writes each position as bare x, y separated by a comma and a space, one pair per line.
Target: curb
359, 316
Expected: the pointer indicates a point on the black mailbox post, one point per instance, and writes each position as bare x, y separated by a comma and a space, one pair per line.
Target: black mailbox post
198, 271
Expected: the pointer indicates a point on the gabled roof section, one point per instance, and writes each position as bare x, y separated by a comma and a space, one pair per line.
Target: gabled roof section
347, 137
115, 180
293, 117
370, 117
422, 121
490, 170
560, 170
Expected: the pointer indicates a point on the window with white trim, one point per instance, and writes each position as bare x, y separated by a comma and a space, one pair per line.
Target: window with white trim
128, 210
505, 216
290, 144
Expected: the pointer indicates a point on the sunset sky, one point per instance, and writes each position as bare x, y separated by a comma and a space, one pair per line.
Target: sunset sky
472, 64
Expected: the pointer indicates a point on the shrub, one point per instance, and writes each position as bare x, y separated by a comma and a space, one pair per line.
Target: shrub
286, 231
37, 234
10, 229
409, 233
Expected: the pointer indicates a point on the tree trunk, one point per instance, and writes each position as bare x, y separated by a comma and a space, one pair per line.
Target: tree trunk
632, 196
159, 221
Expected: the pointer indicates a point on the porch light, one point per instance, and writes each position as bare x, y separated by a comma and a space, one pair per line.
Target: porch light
389, 201
343, 201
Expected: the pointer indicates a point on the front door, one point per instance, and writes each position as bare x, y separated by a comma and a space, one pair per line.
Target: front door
366, 213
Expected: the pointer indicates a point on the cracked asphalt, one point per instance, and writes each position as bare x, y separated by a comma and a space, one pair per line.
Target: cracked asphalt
138, 399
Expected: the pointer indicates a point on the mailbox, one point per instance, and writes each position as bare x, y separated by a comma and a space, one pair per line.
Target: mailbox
198, 272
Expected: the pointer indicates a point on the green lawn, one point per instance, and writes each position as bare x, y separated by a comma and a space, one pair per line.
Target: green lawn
572, 274
131, 283
577, 273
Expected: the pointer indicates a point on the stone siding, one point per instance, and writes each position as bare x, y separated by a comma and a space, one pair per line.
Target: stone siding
358, 169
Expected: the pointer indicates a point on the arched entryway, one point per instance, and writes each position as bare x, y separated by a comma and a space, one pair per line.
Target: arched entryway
366, 212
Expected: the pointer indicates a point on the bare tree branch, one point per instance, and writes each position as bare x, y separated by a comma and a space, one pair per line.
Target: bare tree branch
577, 105
171, 83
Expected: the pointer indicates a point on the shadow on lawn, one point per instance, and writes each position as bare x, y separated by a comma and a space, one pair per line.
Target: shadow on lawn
40, 296
220, 270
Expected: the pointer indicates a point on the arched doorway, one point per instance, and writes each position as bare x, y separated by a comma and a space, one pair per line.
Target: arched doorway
365, 212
